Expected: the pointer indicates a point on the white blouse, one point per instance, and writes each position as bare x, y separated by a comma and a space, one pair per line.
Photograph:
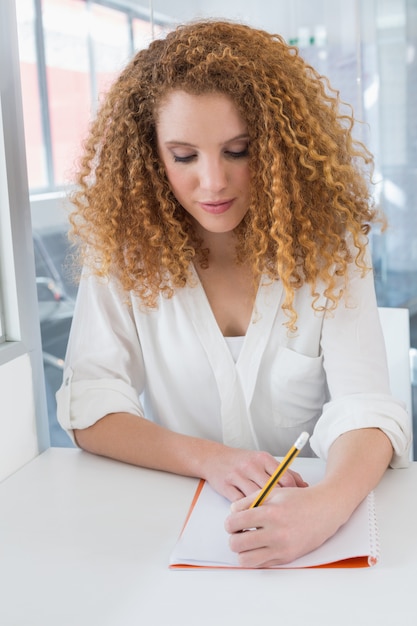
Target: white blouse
173, 366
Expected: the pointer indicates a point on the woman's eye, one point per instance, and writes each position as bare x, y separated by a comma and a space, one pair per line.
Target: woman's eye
238, 154
183, 159
232, 154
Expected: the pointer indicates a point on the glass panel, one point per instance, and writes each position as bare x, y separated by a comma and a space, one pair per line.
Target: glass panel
79, 38
326, 36
56, 297
395, 53
65, 25
35, 147
110, 43
142, 33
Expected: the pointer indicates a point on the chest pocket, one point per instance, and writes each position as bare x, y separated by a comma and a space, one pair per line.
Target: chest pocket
298, 388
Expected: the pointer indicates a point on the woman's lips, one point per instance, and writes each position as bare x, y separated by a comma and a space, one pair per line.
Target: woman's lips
216, 208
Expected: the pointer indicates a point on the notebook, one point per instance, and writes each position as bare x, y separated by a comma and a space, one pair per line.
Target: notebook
203, 542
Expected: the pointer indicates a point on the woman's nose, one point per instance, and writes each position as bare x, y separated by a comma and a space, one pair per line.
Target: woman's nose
213, 175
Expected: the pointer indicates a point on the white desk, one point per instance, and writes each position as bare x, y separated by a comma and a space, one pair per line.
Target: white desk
85, 541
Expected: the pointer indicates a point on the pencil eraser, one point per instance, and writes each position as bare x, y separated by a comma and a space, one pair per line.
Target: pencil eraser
301, 441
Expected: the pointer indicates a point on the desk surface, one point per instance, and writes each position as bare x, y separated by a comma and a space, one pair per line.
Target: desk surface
85, 541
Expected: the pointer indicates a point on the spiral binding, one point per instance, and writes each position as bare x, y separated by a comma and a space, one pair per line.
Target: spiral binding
374, 542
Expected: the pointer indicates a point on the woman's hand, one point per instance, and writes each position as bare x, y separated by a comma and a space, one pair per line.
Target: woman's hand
236, 473
293, 522
289, 524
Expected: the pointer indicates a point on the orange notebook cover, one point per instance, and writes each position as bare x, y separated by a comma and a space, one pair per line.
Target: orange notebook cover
203, 542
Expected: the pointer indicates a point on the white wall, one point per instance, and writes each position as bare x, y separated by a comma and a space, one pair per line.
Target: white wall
18, 437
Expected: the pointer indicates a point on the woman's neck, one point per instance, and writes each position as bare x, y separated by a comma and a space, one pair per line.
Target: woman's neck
221, 246
229, 285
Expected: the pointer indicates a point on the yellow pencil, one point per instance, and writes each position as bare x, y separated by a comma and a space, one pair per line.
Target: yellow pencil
281, 469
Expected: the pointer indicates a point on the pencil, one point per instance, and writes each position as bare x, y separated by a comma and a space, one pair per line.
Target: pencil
281, 469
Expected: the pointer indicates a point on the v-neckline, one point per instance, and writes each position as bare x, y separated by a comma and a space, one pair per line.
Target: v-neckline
209, 309
265, 307
235, 381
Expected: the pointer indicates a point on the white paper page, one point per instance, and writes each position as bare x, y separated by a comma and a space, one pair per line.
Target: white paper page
204, 541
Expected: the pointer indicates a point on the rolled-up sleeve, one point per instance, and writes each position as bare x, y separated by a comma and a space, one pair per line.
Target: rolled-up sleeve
354, 360
365, 411
104, 370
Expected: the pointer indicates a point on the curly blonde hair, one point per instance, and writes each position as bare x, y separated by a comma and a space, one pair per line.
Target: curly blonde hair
309, 177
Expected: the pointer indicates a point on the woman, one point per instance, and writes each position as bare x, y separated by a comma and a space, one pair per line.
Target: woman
227, 302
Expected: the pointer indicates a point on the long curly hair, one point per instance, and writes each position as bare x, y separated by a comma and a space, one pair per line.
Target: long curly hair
311, 205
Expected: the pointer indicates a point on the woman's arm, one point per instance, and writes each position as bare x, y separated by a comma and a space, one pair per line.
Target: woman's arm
292, 522
132, 439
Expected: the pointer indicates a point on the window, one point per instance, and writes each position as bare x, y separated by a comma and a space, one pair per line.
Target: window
33, 111
9, 327
70, 51
23, 425
65, 30
111, 45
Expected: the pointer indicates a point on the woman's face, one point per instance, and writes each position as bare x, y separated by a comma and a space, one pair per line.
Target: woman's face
203, 143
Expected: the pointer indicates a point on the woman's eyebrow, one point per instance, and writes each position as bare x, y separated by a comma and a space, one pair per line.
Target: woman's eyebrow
179, 143
176, 142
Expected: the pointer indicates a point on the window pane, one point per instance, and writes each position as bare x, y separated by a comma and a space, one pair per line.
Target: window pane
142, 33
111, 44
35, 148
65, 25
395, 52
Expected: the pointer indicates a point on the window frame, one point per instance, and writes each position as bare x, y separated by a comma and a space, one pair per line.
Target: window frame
17, 270
2, 246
